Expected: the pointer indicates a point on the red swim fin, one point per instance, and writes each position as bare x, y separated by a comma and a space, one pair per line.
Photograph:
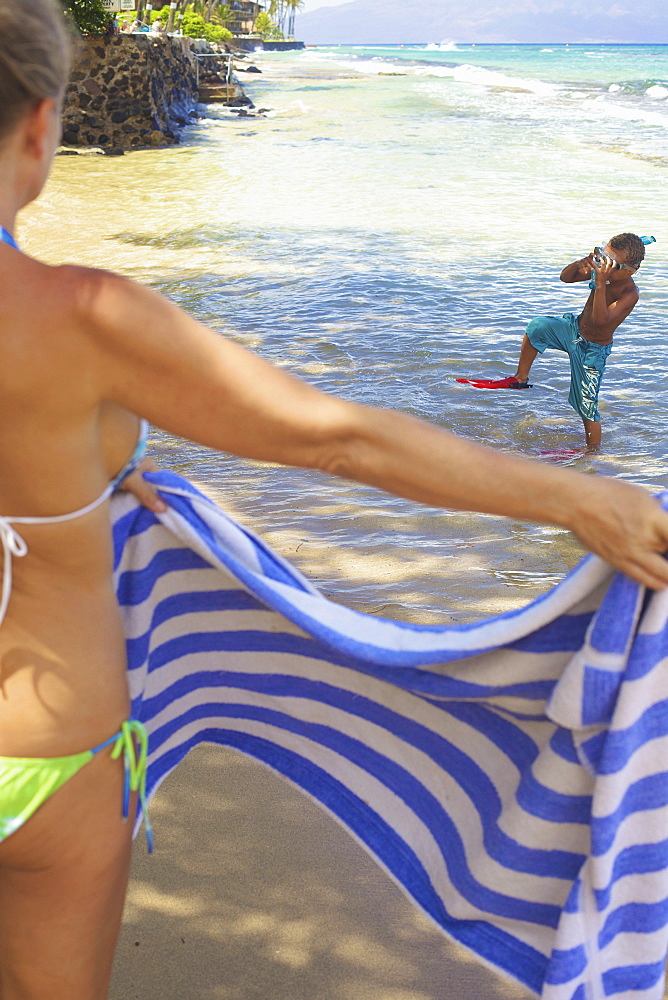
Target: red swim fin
500, 383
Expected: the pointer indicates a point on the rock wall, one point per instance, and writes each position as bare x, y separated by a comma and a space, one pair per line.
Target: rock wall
131, 91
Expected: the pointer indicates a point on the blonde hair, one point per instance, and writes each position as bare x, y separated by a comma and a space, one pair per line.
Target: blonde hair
35, 53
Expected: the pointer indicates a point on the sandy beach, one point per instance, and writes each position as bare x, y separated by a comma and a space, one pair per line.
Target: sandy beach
255, 893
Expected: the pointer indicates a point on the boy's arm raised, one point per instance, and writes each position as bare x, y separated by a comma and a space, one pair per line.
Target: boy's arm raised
605, 313
160, 363
579, 270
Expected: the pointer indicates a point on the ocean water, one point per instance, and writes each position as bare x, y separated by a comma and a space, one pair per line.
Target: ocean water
391, 220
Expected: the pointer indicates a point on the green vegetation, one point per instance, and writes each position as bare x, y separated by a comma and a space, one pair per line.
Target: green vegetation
194, 23
195, 26
89, 16
195, 18
265, 27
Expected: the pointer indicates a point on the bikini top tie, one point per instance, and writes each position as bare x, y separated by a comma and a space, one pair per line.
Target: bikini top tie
14, 545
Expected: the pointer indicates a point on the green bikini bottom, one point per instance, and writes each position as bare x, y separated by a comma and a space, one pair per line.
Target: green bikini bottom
27, 782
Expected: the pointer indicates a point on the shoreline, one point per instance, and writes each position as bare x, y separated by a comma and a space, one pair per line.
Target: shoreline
139, 91
484, 566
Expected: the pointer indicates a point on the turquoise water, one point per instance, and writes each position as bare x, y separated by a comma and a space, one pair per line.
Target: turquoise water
391, 221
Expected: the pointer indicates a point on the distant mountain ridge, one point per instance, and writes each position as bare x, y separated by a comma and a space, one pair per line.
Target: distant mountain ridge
396, 21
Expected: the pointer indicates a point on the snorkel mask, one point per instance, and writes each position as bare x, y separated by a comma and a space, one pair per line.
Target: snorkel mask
601, 258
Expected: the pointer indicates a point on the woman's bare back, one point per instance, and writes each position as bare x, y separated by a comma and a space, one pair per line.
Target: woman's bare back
62, 661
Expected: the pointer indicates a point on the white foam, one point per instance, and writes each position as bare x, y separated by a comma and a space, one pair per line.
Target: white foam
376, 67
600, 107
445, 46
448, 71
294, 107
657, 92
654, 149
614, 88
371, 66
489, 78
320, 55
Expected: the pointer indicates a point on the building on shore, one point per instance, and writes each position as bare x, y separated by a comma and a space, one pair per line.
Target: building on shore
242, 16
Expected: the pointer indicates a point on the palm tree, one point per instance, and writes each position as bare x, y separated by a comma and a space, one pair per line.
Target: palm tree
214, 10
276, 11
221, 14
293, 6
263, 25
174, 13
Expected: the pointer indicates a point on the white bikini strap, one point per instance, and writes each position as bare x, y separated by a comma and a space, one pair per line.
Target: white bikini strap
14, 545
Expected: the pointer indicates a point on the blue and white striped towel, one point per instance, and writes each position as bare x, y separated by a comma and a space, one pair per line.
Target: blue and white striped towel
509, 774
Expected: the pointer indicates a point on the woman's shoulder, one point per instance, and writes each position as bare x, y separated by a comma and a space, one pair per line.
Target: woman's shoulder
91, 301
115, 313
65, 311
82, 287
60, 287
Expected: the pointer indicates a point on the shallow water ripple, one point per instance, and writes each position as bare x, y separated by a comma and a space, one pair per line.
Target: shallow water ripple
380, 236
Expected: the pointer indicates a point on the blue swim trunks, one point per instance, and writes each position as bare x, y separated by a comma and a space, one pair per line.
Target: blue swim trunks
587, 360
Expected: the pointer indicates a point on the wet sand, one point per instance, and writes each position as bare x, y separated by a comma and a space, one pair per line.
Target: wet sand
255, 893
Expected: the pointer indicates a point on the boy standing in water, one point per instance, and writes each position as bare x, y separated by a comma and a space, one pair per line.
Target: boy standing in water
587, 338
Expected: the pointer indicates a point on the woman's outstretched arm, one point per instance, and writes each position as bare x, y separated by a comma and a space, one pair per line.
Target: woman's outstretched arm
157, 361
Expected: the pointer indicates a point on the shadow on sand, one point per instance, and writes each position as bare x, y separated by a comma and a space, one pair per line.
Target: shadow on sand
255, 893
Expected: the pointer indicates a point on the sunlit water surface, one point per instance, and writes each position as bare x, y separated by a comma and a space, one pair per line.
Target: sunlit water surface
392, 222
